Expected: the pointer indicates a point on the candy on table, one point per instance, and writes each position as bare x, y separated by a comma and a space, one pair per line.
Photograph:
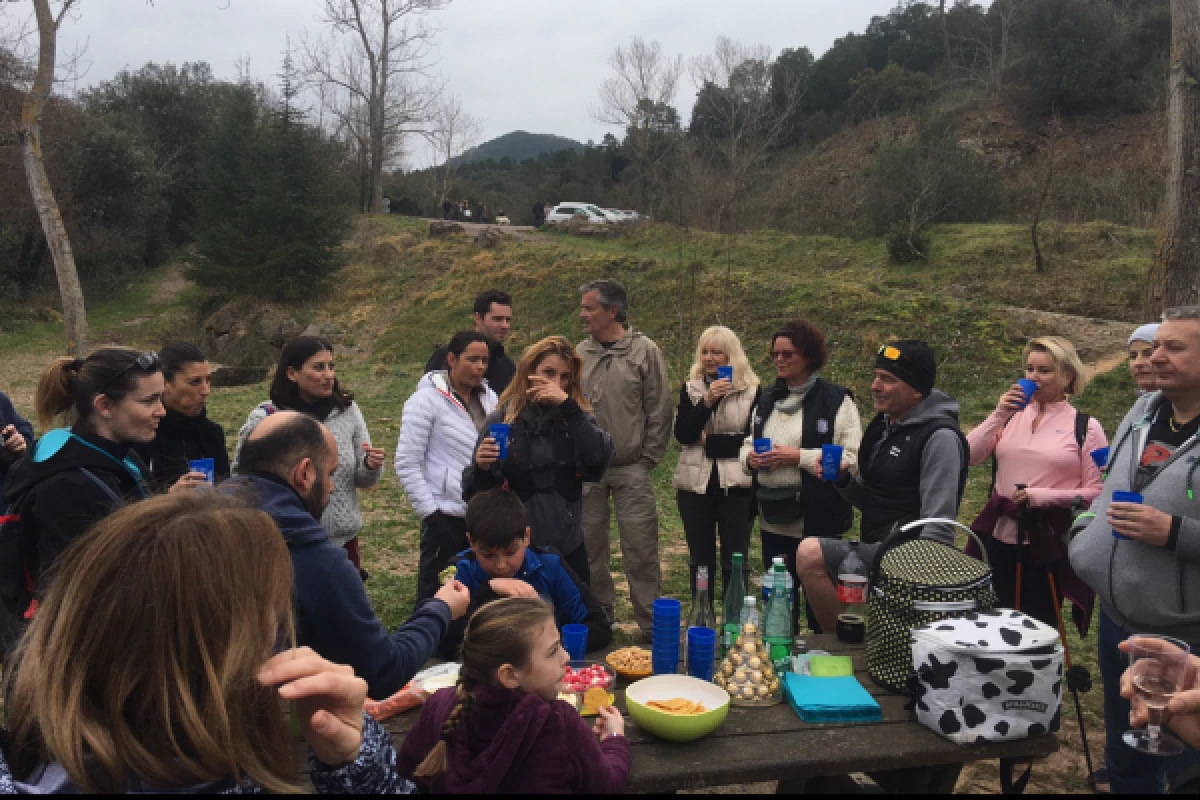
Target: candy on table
747, 674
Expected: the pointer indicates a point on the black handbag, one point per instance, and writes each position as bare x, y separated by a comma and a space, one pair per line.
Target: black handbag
915, 582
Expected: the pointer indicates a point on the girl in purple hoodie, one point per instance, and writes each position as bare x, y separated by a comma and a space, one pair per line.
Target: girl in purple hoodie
502, 728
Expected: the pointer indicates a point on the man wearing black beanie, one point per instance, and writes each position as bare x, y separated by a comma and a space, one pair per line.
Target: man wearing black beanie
912, 465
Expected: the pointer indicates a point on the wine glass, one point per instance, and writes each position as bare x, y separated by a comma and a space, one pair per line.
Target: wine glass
1158, 667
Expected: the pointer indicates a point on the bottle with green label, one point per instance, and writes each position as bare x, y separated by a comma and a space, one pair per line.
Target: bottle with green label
735, 592
777, 630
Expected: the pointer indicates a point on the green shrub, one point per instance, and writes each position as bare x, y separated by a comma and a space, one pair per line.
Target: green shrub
904, 248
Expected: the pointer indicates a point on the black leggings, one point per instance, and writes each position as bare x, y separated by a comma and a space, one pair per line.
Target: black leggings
577, 561
712, 514
1035, 581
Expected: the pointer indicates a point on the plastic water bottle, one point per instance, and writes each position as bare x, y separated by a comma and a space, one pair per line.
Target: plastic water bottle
852, 583
750, 612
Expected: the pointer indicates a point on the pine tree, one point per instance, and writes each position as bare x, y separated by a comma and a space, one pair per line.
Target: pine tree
271, 213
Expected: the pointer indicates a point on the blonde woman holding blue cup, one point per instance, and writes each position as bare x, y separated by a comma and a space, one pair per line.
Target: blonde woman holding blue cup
1042, 447
713, 493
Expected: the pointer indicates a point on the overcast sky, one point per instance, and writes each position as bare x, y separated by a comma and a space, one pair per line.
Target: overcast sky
532, 65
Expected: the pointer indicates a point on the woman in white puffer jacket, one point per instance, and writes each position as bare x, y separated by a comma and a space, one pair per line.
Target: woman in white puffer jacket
441, 424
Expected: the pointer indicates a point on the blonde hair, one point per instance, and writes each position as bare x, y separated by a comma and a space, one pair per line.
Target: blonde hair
1066, 361
744, 376
516, 397
142, 660
502, 632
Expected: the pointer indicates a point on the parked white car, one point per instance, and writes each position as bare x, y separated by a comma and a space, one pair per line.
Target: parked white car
565, 212
503, 220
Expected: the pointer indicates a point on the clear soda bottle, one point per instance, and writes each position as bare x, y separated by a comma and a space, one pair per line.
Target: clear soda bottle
749, 612
777, 631
702, 614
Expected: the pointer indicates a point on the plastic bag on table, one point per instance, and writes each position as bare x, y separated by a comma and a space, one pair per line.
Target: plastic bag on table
415, 692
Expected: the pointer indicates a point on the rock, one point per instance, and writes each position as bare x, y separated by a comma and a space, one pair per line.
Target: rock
222, 322
445, 228
321, 329
239, 376
489, 238
387, 253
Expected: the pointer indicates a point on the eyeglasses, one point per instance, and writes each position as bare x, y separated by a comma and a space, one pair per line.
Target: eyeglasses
146, 362
778, 354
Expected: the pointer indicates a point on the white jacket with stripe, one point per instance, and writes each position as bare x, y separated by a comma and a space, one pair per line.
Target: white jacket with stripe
437, 442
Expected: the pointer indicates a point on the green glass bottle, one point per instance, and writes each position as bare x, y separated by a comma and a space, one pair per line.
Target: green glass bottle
735, 594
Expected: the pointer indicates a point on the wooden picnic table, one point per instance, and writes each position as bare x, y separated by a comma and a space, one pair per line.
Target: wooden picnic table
773, 744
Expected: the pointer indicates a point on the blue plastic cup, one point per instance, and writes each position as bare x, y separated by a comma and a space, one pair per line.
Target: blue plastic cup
665, 664
574, 640
206, 465
499, 432
701, 652
1028, 387
1126, 497
762, 446
1100, 456
667, 608
831, 461
724, 373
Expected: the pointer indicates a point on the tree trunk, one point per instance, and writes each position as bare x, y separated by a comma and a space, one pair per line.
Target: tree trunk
30, 136
945, 36
1175, 273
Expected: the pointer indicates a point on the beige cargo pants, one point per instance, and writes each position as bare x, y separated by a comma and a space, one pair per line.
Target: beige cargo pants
637, 522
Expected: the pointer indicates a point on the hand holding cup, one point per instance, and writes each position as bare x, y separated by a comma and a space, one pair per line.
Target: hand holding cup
487, 454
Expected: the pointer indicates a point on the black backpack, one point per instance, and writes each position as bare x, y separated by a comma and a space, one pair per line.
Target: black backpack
18, 555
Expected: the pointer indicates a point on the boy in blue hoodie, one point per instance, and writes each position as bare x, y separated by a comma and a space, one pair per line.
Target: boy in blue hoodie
501, 563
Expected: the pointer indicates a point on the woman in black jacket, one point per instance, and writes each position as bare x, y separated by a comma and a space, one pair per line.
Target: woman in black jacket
555, 446
78, 475
186, 434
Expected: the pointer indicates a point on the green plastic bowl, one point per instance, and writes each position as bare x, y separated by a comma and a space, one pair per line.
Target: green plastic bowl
677, 727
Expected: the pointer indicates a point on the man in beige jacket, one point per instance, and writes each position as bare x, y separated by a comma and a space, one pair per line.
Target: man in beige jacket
625, 377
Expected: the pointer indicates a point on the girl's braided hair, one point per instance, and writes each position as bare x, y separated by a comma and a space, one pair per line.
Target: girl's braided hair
502, 632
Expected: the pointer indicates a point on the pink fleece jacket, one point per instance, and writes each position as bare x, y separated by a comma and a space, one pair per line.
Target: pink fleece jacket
1047, 461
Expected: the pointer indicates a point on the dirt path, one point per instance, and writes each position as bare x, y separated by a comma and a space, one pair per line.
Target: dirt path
1101, 343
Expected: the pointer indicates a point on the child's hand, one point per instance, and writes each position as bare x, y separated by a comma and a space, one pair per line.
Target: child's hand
609, 722
511, 587
329, 702
455, 595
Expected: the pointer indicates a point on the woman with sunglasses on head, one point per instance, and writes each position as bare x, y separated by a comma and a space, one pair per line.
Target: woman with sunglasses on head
306, 381
80, 474
800, 414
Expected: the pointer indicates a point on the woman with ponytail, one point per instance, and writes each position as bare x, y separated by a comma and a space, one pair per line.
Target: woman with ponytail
502, 728
77, 475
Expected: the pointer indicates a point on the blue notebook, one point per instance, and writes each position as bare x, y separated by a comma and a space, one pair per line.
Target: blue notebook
830, 699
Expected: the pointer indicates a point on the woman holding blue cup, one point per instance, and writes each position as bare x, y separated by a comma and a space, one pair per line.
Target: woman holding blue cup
543, 441
1043, 454
801, 414
713, 493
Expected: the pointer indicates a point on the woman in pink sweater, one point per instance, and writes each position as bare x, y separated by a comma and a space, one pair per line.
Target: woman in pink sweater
1040, 468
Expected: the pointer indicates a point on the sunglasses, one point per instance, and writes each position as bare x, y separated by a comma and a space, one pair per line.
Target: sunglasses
146, 362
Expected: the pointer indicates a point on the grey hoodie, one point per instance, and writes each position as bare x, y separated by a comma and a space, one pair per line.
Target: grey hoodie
1142, 588
942, 463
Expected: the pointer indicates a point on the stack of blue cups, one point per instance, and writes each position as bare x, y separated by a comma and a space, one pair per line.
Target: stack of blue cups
701, 653
664, 641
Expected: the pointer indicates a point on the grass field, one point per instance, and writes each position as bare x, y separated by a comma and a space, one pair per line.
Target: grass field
391, 313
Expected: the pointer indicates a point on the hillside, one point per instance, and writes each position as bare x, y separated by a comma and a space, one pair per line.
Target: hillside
519, 146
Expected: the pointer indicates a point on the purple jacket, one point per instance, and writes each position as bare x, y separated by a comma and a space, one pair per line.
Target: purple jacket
514, 742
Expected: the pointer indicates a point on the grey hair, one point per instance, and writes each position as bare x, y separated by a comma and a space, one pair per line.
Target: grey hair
611, 294
1181, 312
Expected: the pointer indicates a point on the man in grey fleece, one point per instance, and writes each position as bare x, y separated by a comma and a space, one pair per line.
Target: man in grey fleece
1143, 559
912, 465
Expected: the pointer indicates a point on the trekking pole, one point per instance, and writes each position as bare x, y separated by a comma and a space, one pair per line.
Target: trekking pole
1072, 678
1021, 531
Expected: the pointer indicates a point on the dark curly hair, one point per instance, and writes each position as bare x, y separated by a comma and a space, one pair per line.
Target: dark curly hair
808, 339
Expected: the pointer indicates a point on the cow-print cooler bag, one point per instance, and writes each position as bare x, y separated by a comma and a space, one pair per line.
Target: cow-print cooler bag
914, 583
988, 677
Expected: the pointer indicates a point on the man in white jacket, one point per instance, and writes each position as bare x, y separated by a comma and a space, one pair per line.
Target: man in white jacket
441, 423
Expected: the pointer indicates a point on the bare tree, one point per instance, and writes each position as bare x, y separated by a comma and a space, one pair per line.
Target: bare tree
636, 98
376, 63
743, 121
1047, 184
452, 133
29, 134
1175, 272
986, 59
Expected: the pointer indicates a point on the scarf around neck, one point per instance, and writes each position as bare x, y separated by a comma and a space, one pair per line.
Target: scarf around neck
791, 403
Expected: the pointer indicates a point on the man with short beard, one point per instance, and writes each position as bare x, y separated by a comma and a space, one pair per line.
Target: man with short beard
287, 463
1143, 558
